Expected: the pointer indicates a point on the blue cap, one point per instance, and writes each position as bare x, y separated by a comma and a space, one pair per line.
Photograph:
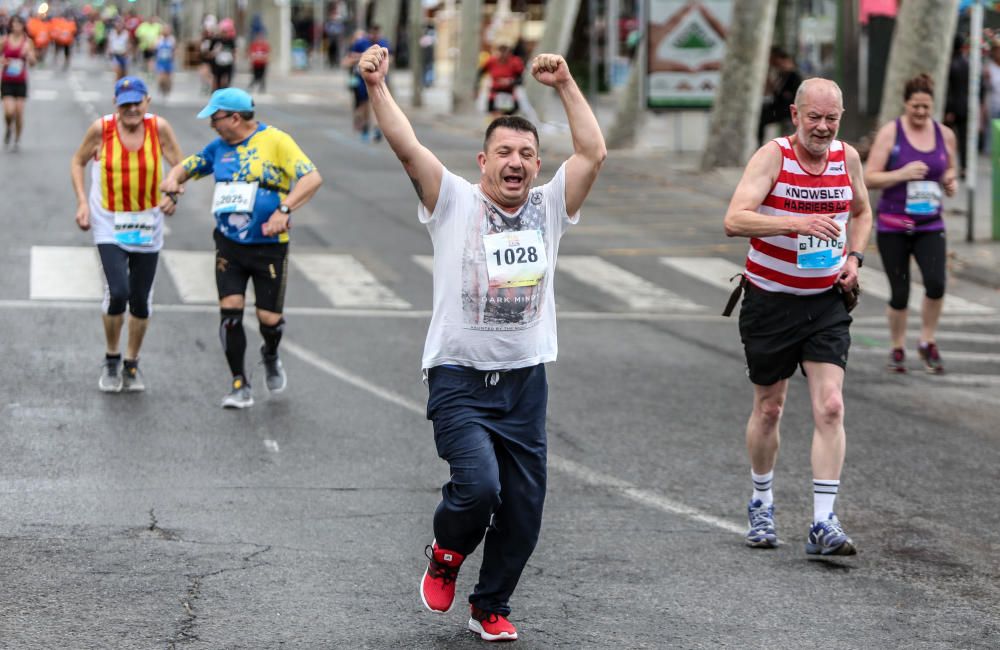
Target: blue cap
227, 99
130, 90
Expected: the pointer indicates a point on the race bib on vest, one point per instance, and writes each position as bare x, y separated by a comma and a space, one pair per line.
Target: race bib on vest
816, 253
225, 57
515, 259
15, 67
503, 102
135, 228
234, 197
923, 198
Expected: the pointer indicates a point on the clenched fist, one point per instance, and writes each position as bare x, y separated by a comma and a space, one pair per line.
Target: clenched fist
374, 64
550, 69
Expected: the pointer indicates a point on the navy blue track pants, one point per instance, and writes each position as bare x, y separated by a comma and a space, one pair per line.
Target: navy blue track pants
490, 428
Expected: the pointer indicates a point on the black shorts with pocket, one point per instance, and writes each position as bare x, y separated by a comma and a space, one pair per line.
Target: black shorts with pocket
781, 330
267, 264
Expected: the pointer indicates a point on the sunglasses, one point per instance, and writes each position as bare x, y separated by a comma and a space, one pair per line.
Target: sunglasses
215, 118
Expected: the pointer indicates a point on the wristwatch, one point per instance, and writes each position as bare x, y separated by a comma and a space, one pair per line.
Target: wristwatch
284, 209
860, 256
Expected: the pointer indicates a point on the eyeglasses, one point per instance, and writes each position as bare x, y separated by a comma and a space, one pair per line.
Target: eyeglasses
216, 118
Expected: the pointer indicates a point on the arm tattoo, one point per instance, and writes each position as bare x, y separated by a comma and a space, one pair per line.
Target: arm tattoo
416, 186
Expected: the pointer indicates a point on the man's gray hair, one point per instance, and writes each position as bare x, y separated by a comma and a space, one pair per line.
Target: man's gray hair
814, 82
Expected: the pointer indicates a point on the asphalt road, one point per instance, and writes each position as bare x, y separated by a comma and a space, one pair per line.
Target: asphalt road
158, 520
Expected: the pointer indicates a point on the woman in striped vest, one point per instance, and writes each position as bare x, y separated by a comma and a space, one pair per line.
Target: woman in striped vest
123, 212
802, 202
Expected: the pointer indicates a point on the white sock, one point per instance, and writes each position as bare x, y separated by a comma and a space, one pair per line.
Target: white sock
762, 487
824, 494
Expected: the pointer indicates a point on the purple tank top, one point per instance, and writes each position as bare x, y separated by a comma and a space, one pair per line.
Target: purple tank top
893, 215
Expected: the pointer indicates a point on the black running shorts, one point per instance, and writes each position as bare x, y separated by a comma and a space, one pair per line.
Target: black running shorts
14, 89
267, 264
780, 331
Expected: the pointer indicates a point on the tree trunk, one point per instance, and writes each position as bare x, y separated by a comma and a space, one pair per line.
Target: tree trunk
467, 62
415, 12
387, 17
560, 18
921, 42
732, 130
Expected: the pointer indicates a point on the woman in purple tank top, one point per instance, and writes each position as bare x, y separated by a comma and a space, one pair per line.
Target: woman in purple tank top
913, 162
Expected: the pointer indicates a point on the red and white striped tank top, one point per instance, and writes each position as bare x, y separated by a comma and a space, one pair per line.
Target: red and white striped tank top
772, 261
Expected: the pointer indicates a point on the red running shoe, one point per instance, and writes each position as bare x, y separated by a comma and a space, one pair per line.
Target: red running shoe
897, 361
491, 626
437, 589
931, 357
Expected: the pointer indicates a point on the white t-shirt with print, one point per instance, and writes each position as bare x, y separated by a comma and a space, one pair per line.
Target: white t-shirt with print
494, 300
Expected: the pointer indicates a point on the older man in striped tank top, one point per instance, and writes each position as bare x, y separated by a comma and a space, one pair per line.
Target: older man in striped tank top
802, 202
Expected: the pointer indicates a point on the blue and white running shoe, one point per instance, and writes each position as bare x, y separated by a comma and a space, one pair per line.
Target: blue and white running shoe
828, 538
761, 533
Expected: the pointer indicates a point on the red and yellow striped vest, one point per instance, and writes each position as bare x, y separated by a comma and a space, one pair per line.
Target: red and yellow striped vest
130, 180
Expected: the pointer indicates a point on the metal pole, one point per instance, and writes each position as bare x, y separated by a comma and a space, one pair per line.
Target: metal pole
972, 139
611, 41
592, 34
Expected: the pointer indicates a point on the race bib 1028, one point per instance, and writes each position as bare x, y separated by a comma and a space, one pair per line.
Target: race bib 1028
234, 197
515, 259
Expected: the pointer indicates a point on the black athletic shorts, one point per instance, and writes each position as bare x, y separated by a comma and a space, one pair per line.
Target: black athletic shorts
267, 264
780, 331
13, 89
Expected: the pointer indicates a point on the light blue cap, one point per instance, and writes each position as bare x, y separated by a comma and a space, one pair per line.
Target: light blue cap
227, 99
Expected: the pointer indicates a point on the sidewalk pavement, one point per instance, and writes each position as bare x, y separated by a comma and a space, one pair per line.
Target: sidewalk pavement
977, 261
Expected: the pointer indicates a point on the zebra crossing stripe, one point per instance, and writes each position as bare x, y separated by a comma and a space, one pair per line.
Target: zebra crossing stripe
715, 271
65, 273
193, 273
877, 285
426, 262
346, 282
636, 292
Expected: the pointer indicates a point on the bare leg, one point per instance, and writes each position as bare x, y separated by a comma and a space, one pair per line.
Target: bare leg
18, 119
763, 437
930, 314
826, 382
897, 326
136, 333
113, 332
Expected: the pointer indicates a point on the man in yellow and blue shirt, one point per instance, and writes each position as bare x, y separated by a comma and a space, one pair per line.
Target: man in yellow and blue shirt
261, 177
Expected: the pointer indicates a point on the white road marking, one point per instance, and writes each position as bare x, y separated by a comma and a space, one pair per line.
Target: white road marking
957, 355
346, 282
193, 273
636, 292
877, 285
960, 337
426, 262
66, 273
715, 271
44, 94
271, 446
580, 472
300, 98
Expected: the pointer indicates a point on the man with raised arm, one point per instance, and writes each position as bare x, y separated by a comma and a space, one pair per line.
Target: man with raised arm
492, 330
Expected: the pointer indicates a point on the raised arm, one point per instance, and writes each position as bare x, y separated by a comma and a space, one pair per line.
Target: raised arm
421, 165
589, 150
78, 165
